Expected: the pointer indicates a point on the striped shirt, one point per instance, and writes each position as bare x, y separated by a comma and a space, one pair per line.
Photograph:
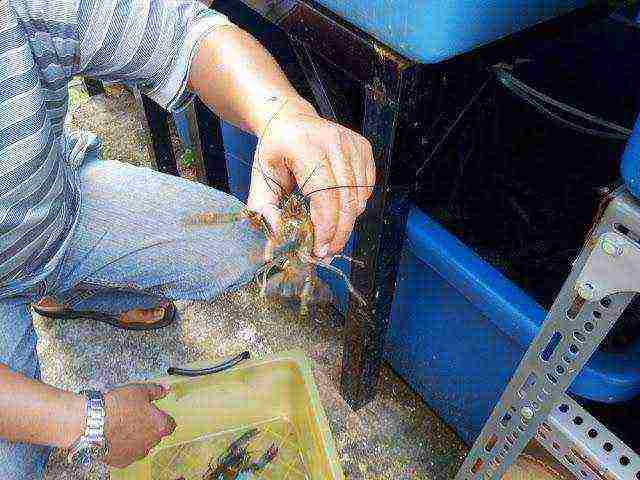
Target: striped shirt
43, 44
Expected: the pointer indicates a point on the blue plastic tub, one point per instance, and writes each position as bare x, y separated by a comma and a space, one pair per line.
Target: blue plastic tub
444, 292
459, 329
430, 31
631, 161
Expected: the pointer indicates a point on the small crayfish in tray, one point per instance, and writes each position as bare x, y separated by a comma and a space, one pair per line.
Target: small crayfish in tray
237, 463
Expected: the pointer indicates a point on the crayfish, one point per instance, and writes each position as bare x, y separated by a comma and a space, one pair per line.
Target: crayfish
236, 462
289, 250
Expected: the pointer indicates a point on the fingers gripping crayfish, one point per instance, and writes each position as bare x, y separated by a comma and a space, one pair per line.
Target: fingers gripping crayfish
289, 251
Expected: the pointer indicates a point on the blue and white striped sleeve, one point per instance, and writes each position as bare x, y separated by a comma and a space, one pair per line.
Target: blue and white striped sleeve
150, 43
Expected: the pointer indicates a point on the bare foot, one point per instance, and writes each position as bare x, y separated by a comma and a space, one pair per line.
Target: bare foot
144, 316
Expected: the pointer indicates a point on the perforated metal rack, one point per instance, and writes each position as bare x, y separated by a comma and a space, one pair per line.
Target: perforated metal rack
602, 282
585, 446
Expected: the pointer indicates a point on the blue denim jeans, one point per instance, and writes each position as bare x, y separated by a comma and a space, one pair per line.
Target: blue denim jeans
129, 249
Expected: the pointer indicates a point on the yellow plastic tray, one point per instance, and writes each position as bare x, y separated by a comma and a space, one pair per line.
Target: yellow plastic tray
276, 394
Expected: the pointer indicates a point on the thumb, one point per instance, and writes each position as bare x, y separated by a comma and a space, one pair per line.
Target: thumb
156, 391
165, 424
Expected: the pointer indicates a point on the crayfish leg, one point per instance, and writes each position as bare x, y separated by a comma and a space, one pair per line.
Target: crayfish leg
286, 283
269, 249
259, 223
273, 286
244, 440
306, 296
263, 286
213, 218
261, 274
344, 278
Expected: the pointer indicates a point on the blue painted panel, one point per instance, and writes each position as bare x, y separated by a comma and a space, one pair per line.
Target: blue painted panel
430, 31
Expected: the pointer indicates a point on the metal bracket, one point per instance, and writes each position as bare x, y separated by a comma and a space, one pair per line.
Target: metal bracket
613, 267
592, 299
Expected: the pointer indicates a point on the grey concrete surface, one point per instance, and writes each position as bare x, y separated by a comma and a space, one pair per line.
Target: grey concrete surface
396, 437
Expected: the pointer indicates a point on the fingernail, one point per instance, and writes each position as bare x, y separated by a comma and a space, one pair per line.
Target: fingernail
323, 251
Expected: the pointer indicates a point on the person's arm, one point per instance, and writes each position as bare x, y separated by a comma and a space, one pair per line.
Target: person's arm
149, 43
237, 78
33, 412
36, 413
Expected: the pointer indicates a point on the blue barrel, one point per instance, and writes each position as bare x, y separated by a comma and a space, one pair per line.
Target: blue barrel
459, 329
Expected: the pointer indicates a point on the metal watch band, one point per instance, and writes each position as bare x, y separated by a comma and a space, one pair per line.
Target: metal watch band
95, 414
92, 444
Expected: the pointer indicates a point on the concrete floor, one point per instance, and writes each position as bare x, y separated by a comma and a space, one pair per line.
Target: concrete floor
395, 437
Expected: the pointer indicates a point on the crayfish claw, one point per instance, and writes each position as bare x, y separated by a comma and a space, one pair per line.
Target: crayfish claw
266, 458
241, 442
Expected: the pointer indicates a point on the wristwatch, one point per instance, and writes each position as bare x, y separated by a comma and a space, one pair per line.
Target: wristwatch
92, 445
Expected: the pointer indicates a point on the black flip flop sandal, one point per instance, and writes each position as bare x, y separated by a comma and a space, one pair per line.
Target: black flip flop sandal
110, 319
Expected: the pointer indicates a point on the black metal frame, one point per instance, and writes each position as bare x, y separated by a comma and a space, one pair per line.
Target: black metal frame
388, 82
206, 136
156, 120
156, 126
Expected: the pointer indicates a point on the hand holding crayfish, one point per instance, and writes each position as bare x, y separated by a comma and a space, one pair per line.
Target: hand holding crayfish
335, 163
333, 166
296, 145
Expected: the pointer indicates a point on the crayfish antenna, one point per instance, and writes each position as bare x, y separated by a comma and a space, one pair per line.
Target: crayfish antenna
349, 259
340, 274
213, 218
